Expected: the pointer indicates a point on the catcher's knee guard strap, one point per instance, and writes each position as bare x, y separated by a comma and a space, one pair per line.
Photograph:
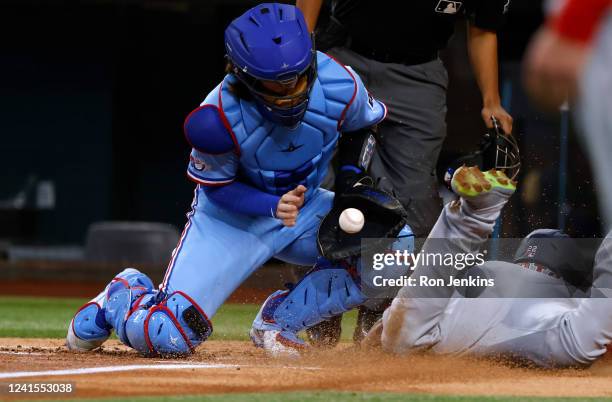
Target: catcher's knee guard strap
173, 326
326, 291
122, 294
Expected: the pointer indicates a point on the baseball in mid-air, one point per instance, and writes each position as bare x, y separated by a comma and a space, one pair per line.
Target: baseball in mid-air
351, 220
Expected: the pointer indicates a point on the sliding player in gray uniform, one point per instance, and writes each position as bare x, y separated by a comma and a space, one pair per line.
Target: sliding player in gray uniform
544, 323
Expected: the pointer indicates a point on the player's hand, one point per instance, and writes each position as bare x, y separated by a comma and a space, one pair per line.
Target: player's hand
497, 111
289, 205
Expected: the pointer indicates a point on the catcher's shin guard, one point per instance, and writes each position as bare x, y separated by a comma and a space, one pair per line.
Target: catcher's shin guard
89, 328
324, 292
327, 333
149, 321
266, 334
170, 325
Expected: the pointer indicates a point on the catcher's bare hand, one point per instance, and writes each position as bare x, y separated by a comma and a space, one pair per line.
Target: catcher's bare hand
289, 205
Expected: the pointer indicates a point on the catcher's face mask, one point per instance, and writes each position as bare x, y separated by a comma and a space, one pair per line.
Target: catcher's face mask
287, 93
497, 150
285, 99
507, 157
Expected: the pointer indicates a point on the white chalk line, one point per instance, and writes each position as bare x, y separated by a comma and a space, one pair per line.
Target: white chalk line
113, 369
132, 367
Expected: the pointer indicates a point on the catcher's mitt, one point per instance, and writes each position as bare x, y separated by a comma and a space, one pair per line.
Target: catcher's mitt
384, 219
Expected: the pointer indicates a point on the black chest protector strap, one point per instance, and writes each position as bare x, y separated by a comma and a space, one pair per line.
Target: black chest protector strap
355, 150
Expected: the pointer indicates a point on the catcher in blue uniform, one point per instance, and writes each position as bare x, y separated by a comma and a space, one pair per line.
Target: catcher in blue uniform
262, 141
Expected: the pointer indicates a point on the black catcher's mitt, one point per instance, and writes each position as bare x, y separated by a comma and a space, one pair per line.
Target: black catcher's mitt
384, 219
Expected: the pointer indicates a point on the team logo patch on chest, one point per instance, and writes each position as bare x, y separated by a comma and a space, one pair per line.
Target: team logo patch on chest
448, 7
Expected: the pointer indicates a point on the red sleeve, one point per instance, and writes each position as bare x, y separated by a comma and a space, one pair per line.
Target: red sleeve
579, 19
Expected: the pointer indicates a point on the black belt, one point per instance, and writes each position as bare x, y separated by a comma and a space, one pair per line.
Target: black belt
393, 57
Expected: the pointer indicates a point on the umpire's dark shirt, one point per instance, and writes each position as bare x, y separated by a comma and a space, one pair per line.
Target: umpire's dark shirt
412, 27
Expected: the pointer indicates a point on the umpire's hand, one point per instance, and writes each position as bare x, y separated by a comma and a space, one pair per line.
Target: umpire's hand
497, 111
289, 205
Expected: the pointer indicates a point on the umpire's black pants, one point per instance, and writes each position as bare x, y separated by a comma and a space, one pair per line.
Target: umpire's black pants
412, 134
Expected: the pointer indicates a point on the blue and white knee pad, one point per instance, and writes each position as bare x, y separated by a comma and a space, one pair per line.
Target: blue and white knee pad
149, 321
173, 326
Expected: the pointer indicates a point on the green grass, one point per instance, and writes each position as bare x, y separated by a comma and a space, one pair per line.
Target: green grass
33, 317
335, 397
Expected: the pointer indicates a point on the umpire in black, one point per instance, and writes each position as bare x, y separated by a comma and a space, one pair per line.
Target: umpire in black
393, 46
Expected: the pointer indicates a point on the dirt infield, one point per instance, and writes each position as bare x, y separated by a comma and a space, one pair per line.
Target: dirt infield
234, 366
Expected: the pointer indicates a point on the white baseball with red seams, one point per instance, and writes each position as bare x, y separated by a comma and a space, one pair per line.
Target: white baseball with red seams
351, 220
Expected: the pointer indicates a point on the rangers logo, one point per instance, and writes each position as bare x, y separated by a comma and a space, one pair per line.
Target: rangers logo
448, 7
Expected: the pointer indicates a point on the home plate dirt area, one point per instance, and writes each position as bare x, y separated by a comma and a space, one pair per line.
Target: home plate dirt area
237, 366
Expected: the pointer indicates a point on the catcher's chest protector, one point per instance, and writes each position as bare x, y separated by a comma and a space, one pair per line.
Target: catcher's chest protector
275, 158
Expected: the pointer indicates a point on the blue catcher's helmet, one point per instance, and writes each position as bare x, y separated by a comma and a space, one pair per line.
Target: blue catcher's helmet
272, 53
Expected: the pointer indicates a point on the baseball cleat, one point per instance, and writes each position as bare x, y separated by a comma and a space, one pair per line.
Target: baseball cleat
277, 343
482, 189
267, 334
471, 182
